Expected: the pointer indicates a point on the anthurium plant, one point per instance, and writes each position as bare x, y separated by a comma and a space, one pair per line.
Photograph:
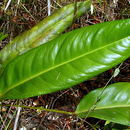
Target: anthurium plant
70, 59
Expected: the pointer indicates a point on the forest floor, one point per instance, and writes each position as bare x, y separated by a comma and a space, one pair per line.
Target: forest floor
20, 17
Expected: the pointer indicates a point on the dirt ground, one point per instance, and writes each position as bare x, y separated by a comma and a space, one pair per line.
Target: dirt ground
20, 17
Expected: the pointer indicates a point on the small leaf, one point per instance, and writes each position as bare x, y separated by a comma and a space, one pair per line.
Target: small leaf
114, 104
2, 36
107, 122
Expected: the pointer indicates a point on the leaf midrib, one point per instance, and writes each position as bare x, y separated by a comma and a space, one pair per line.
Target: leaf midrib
63, 63
101, 108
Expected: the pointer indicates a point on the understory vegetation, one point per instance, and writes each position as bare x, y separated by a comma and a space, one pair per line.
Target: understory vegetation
70, 70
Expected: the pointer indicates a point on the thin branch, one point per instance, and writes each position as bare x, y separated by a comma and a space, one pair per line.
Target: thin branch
28, 12
6, 116
100, 94
49, 7
17, 118
57, 3
18, 2
8, 3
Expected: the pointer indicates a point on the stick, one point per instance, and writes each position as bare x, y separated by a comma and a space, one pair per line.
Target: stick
49, 7
17, 118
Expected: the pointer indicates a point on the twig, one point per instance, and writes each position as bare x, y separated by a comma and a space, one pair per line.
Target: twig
49, 7
2, 121
18, 2
6, 117
8, 3
7, 126
17, 118
28, 12
58, 98
57, 3
99, 96
93, 127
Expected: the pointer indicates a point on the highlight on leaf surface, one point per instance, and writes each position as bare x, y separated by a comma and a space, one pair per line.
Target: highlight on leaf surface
44, 31
67, 60
113, 104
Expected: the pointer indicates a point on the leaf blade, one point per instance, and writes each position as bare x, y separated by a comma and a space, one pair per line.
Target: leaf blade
44, 31
68, 60
114, 104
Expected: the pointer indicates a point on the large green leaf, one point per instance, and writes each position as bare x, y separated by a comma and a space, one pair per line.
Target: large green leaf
114, 104
67, 60
44, 31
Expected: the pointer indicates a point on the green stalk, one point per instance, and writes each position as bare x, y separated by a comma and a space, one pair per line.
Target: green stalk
43, 109
44, 31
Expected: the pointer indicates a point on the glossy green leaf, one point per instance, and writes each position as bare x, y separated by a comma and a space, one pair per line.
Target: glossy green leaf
114, 104
44, 31
67, 60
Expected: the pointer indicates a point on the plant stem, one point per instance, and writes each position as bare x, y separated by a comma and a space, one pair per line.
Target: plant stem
41, 108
